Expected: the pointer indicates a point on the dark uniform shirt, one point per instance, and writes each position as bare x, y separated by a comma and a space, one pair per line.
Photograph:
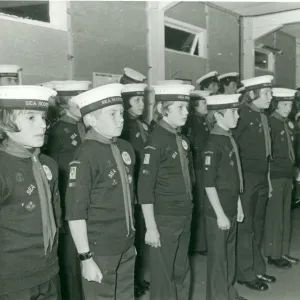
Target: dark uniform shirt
281, 165
221, 172
95, 194
250, 138
23, 263
63, 141
161, 179
196, 130
132, 134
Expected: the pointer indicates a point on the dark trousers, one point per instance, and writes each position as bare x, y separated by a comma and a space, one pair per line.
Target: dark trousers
118, 278
70, 271
169, 264
278, 219
198, 230
49, 290
141, 247
250, 232
221, 260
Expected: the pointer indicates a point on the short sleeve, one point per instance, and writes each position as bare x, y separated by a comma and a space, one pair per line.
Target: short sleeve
211, 163
148, 173
79, 187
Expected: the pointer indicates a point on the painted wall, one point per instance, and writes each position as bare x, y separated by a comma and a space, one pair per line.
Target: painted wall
223, 42
41, 52
285, 64
108, 36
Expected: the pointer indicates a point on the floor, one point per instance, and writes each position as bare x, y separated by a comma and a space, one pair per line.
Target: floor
287, 286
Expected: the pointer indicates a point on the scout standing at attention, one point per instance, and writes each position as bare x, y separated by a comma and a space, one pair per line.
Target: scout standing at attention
253, 137
29, 201
136, 132
223, 181
155, 115
278, 215
228, 83
100, 198
10, 75
197, 130
65, 136
132, 76
165, 192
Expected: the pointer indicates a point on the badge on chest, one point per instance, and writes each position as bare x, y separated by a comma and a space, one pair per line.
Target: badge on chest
126, 158
73, 139
47, 172
185, 145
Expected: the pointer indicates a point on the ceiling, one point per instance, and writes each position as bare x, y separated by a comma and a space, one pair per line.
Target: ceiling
257, 8
261, 8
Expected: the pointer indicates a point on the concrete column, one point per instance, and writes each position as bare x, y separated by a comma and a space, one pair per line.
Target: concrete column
155, 42
297, 63
247, 48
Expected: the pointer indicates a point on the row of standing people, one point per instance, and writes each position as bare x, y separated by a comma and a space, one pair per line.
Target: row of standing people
166, 204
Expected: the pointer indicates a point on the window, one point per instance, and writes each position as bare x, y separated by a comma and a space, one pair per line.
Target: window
33, 10
51, 14
264, 60
185, 38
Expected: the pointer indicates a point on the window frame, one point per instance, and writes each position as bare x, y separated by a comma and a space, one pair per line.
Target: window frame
271, 60
58, 14
200, 37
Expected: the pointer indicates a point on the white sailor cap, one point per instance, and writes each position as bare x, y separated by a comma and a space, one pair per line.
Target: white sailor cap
232, 76
180, 92
241, 89
199, 95
133, 76
282, 94
68, 87
97, 98
134, 89
30, 97
211, 76
169, 82
220, 101
258, 82
9, 70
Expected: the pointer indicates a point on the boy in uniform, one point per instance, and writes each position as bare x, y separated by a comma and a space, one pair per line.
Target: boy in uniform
10, 75
278, 213
197, 130
136, 132
223, 183
228, 83
165, 193
99, 201
65, 136
132, 76
253, 137
209, 82
29, 203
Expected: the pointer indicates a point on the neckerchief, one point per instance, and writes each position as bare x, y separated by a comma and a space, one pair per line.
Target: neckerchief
80, 126
265, 125
277, 116
94, 135
182, 154
220, 131
48, 222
